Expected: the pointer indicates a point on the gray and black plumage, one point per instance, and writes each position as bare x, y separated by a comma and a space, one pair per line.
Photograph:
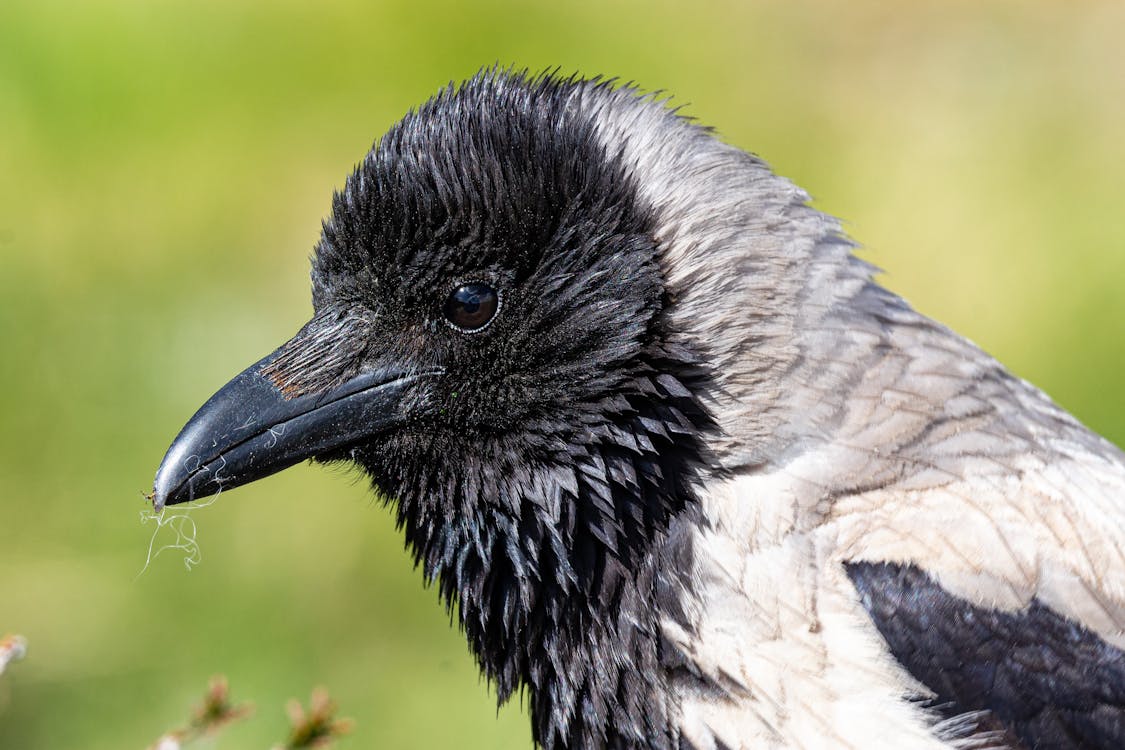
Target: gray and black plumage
690, 477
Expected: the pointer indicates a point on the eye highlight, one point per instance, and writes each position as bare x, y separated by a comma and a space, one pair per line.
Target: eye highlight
471, 307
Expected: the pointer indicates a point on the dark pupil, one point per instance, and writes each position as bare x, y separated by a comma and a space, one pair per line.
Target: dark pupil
471, 306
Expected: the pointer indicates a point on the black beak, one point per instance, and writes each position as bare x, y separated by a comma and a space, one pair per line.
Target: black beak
251, 428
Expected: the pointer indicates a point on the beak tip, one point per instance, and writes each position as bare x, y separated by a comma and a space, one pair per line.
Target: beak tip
166, 486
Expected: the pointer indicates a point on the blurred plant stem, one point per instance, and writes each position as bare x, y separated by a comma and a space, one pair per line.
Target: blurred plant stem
318, 727
215, 712
12, 648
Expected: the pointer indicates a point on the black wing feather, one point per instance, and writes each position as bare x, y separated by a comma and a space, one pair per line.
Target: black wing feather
1049, 681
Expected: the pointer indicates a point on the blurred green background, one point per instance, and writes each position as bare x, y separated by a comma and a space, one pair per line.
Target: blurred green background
163, 170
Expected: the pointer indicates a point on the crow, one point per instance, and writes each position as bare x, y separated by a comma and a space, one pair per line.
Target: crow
689, 477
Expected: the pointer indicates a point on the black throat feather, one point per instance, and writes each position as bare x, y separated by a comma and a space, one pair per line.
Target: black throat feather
561, 568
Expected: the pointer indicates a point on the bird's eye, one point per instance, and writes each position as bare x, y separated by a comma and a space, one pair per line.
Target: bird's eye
471, 307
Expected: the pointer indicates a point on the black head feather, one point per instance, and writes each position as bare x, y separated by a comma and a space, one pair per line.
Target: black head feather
537, 486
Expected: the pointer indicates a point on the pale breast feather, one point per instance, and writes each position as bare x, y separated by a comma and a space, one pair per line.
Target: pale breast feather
957, 532
831, 629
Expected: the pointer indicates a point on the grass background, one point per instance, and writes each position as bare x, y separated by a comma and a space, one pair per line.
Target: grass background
163, 170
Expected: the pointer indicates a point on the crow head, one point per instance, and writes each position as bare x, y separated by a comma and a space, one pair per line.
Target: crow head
529, 299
